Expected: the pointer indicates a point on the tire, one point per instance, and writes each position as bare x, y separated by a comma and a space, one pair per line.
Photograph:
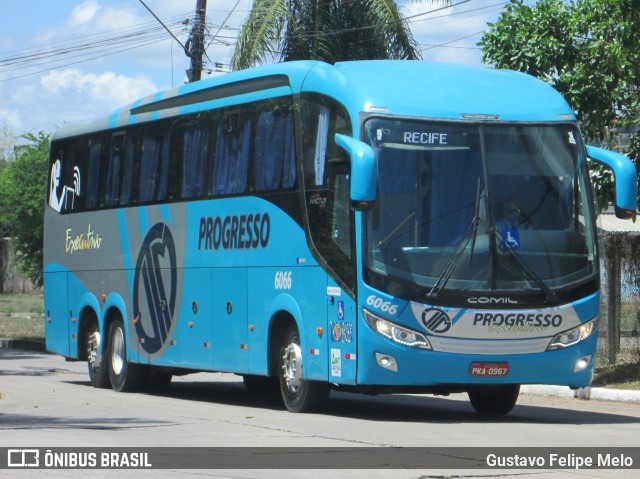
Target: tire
494, 400
298, 394
96, 359
124, 375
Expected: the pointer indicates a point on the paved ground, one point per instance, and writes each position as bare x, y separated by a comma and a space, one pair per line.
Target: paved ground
599, 394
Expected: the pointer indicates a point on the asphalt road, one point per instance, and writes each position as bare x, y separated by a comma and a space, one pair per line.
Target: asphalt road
47, 402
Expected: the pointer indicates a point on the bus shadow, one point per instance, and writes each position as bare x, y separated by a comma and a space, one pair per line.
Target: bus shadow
228, 393
397, 407
431, 409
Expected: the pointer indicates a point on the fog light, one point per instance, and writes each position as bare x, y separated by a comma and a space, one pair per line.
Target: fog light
387, 362
582, 364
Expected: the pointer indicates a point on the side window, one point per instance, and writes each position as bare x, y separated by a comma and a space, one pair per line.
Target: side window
326, 176
89, 162
64, 177
114, 169
321, 119
274, 148
191, 144
153, 156
128, 170
232, 150
75, 174
340, 201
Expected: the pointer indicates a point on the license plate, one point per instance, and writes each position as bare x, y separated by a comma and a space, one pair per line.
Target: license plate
489, 369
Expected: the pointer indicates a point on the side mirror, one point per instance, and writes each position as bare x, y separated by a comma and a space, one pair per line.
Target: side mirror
625, 176
363, 171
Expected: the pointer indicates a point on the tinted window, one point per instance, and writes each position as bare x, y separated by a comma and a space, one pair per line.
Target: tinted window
233, 145
274, 150
326, 175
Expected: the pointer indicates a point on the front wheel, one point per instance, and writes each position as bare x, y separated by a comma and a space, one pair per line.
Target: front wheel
124, 375
494, 400
298, 394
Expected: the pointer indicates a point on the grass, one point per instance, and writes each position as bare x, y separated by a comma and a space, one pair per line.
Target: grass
22, 317
618, 376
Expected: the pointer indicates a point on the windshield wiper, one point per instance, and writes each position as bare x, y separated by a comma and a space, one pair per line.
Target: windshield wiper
395, 230
476, 217
528, 272
469, 235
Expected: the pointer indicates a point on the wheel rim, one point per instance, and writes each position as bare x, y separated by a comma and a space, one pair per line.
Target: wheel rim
292, 366
117, 348
93, 349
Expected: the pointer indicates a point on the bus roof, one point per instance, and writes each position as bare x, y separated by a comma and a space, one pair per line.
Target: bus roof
395, 87
444, 90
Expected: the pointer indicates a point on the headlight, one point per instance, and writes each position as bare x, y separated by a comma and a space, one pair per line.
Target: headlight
572, 336
398, 334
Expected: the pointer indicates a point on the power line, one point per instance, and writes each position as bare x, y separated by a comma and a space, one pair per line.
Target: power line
101, 55
74, 51
446, 44
411, 19
75, 42
163, 25
79, 50
451, 14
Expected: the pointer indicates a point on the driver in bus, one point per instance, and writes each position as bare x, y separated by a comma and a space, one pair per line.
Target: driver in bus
509, 226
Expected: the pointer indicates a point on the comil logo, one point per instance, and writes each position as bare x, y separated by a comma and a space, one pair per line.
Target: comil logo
491, 300
154, 288
23, 458
436, 320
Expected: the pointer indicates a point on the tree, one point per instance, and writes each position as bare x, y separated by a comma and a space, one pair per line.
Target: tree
587, 50
7, 147
7, 142
23, 185
327, 30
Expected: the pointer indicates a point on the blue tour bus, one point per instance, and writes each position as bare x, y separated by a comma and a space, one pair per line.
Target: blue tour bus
314, 227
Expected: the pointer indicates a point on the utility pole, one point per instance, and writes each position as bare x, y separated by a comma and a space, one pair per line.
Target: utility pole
195, 44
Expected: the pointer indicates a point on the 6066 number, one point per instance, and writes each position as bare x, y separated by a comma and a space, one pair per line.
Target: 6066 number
382, 305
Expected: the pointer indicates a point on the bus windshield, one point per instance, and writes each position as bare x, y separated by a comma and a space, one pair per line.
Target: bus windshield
478, 207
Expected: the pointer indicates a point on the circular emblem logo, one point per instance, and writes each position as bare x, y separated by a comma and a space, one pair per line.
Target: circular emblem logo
154, 288
436, 320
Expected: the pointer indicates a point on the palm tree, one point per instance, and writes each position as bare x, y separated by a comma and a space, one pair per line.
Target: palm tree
328, 30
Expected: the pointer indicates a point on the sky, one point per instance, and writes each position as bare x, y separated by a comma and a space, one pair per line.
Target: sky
69, 61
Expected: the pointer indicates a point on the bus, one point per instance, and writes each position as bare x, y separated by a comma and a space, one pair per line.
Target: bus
314, 227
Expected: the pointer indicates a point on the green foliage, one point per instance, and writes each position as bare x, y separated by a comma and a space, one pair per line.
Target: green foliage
7, 145
588, 51
534, 39
23, 185
327, 30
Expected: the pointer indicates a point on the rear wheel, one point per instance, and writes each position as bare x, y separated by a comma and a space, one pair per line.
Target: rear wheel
494, 400
124, 375
96, 360
298, 394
